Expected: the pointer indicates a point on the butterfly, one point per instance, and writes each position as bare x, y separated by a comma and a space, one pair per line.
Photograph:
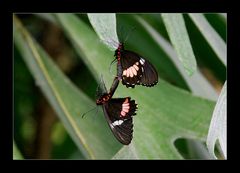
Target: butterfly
134, 69
118, 112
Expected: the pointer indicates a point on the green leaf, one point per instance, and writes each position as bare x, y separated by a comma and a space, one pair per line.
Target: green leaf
105, 27
197, 82
179, 37
218, 22
165, 112
218, 126
93, 138
87, 44
16, 153
212, 37
204, 54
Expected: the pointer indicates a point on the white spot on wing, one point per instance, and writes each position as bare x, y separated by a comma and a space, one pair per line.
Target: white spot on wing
142, 61
117, 122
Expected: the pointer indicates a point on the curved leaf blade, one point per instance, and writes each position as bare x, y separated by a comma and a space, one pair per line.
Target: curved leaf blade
105, 27
179, 37
212, 37
218, 126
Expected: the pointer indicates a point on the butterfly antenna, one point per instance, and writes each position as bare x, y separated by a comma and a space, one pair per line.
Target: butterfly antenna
88, 111
101, 81
129, 34
121, 31
96, 113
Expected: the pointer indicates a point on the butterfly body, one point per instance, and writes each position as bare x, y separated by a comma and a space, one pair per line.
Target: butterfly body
103, 99
134, 69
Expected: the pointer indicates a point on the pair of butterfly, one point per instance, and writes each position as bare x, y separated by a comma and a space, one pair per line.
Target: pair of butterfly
132, 70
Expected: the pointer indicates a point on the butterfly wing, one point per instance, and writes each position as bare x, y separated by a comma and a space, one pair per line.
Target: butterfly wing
150, 75
118, 113
136, 70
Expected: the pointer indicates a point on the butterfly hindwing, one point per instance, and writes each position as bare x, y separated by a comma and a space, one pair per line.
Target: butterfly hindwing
118, 113
150, 76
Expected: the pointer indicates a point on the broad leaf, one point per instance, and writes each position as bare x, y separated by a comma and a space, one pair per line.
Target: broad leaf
165, 112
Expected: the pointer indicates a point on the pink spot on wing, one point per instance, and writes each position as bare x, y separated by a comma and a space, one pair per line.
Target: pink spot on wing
126, 101
123, 113
125, 110
125, 107
127, 73
134, 71
136, 67
130, 71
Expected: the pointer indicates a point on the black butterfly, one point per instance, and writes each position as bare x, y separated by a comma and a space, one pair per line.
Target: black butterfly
118, 113
133, 69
